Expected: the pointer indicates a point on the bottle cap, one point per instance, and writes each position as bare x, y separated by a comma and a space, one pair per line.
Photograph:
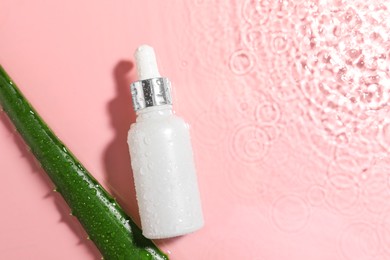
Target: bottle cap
151, 89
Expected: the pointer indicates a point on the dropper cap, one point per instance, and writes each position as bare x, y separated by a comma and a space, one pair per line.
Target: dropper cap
151, 89
146, 63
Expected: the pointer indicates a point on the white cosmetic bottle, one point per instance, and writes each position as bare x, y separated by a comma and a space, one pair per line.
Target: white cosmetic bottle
161, 156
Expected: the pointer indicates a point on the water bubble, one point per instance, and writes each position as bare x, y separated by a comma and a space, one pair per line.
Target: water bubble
255, 12
371, 80
284, 8
247, 103
280, 42
250, 143
290, 213
342, 139
253, 38
285, 90
342, 172
241, 62
360, 241
344, 200
268, 113
353, 54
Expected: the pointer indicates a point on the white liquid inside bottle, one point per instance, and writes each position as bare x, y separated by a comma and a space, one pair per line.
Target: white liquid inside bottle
161, 157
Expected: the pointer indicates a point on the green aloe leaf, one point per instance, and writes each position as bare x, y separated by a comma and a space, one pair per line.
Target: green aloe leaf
108, 226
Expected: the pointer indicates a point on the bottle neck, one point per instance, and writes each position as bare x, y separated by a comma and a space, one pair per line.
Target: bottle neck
154, 112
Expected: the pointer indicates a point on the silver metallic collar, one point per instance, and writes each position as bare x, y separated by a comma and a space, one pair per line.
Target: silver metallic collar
151, 92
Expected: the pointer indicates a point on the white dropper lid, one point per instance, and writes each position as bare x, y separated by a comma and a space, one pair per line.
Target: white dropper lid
146, 63
151, 89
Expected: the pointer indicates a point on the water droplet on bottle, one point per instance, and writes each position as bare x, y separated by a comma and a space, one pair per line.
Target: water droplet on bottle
147, 140
150, 166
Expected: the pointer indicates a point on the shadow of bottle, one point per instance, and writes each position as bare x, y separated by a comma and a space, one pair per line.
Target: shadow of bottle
59, 202
116, 156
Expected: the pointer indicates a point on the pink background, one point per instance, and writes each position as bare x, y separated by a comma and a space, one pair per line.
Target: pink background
288, 103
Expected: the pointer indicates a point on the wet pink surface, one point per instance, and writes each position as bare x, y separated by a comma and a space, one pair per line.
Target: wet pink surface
288, 103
